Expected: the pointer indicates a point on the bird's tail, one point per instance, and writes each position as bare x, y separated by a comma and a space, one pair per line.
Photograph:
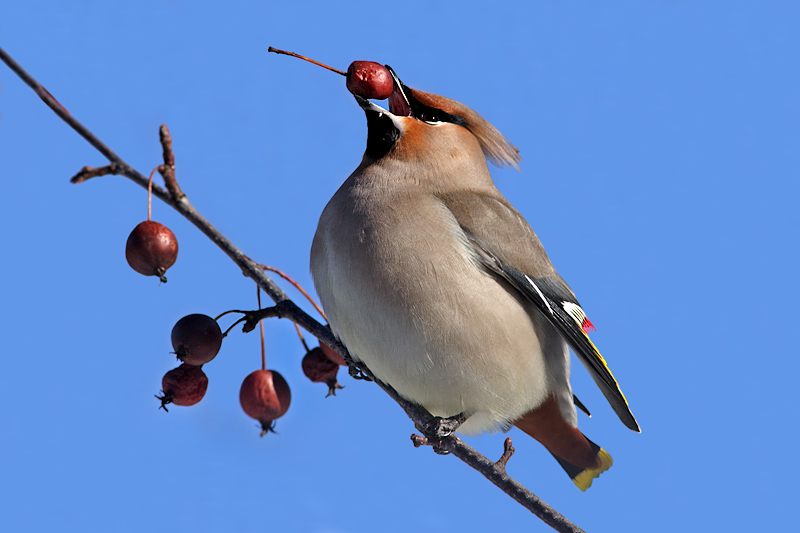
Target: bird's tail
582, 459
582, 476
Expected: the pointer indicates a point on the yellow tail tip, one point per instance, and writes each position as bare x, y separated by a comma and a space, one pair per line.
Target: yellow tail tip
585, 478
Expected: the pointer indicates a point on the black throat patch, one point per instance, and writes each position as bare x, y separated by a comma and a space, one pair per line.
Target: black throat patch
382, 134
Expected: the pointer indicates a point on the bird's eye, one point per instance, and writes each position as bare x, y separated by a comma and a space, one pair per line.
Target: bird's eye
430, 117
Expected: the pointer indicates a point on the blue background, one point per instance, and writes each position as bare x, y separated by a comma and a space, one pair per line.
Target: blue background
660, 144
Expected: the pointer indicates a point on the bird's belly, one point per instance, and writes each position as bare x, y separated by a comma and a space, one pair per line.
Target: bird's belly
472, 347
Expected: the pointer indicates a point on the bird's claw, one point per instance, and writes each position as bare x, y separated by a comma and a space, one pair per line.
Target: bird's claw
436, 431
444, 427
436, 444
357, 373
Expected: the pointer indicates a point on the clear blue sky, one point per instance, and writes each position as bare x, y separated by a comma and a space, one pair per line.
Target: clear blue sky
660, 143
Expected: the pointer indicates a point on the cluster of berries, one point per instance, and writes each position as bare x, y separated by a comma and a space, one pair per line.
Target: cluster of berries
264, 395
197, 339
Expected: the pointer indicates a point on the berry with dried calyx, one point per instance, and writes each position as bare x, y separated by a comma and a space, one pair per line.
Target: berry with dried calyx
185, 385
320, 369
196, 339
151, 249
265, 396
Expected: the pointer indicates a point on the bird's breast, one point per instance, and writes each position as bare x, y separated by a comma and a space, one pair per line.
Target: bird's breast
404, 292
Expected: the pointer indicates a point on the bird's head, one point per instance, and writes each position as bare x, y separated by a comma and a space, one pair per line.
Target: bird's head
420, 125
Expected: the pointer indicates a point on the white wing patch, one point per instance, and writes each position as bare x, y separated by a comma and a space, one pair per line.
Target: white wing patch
541, 295
577, 313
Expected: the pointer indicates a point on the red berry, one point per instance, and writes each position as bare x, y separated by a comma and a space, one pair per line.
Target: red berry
185, 385
332, 354
151, 249
265, 396
369, 80
196, 339
319, 369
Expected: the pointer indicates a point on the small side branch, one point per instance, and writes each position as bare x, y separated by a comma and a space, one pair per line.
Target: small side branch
167, 170
252, 318
493, 471
497, 475
87, 172
508, 451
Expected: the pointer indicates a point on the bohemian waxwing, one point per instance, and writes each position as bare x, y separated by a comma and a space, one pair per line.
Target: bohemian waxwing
430, 277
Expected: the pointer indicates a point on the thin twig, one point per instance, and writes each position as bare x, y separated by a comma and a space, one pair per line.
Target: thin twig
302, 339
168, 168
285, 308
296, 286
508, 451
227, 313
150, 195
261, 328
239, 321
284, 52
254, 317
87, 172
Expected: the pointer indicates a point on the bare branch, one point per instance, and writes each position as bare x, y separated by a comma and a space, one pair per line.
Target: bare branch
437, 432
167, 170
88, 172
494, 472
508, 451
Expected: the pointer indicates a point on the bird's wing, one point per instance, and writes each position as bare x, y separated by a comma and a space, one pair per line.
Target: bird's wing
507, 246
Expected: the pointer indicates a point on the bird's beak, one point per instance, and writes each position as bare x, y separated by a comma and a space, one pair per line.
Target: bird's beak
398, 101
366, 105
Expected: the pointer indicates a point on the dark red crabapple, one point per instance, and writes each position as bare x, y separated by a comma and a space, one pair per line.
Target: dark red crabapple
369, 80
196, 339
185, 385
265, 396
151, 249
319, 369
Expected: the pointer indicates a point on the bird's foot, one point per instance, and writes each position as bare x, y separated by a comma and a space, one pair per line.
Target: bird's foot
436, 431
436, 444
354, 370
444, 427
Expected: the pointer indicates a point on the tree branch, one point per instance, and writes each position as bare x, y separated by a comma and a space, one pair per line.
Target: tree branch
436, 432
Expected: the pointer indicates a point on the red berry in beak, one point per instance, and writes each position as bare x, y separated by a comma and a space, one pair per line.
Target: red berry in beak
151, 249
369, 80
265, 396
196, 339
185, 385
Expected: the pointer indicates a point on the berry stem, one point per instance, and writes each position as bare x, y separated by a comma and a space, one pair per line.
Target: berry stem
150, 194
227, 313
302, 339
284, 52
296, 286
261, 327
243, 319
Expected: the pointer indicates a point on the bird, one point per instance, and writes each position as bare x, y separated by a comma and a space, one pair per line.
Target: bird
434, 281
